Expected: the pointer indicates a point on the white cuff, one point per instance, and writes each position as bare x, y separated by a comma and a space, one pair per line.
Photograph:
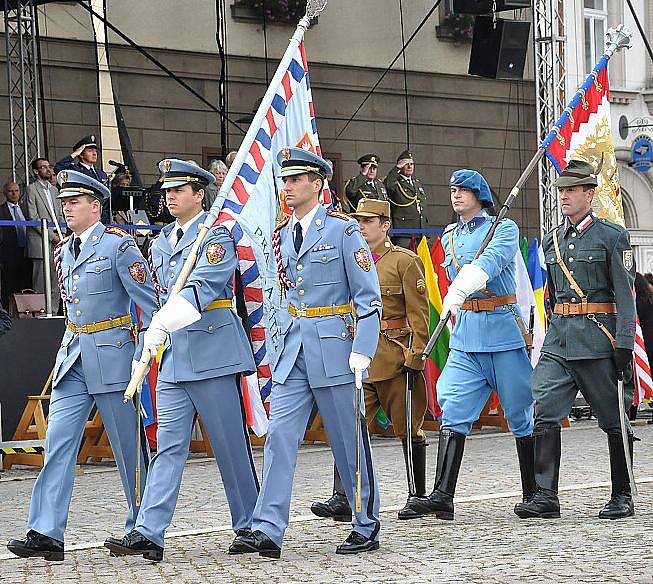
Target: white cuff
177, 313
470, 279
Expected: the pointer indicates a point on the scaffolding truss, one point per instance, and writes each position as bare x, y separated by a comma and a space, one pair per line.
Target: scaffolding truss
550, 80
22, 83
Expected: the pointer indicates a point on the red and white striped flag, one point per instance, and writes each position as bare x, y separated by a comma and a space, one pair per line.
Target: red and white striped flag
643, 382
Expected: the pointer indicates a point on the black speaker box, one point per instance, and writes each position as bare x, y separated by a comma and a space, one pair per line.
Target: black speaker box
499, 52
485, 6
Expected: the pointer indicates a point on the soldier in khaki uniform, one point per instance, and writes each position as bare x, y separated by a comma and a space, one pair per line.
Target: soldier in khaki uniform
364, 186
404, 333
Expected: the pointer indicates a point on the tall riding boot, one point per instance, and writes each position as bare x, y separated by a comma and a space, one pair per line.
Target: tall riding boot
451, 446
544, 503
620, 504
419, 473
526, 457
337, 507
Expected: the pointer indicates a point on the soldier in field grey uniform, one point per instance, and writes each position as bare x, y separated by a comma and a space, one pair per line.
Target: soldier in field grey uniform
589, 342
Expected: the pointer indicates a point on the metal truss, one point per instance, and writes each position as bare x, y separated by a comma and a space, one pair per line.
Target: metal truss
22, 81
550, 79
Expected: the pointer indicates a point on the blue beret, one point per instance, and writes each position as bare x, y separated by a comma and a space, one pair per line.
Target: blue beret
74, 184
175, 173
474, 181
299, 161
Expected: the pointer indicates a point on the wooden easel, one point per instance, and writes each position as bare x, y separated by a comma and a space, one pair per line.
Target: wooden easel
31, 426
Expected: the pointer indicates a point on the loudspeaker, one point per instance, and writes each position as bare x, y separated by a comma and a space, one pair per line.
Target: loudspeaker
499, 52
485, 6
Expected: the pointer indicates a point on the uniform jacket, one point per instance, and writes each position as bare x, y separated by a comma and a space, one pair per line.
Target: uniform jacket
487, 331
334, 267
11, 256
403, 290
406, 201
217, 344
359, 187
109, 272
68, 163
598, 253
39, 208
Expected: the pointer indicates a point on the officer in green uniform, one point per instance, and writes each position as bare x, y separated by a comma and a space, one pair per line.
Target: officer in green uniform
365, 185
589, 342
407, 197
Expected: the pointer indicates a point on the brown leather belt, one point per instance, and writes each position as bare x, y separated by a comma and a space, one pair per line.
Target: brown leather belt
397, 323
574, 309
488, 304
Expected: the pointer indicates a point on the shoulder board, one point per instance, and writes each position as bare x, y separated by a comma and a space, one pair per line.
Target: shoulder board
404, 251
339, 215
609, 223
283, 223
116, 231
449, 227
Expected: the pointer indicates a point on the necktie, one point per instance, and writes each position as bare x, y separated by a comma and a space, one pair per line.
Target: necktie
77, 246
180, 234
299, 237
94, 173
20, 230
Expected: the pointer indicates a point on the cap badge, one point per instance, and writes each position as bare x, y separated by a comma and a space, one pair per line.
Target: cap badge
167, 165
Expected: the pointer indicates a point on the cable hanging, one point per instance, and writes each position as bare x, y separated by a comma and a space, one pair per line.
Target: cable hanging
403, 52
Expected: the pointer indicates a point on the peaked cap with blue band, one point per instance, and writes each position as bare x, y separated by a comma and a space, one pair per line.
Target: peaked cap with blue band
175, 173
75, 184
474, 181
299, 161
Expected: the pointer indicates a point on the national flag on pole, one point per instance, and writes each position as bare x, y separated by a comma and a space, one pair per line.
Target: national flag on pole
285, 118
583, 132
643, 382
527, 302
438, 357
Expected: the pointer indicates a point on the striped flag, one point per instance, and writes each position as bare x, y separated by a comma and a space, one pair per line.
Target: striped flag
537, 275
285, 118
642, 369
438, 357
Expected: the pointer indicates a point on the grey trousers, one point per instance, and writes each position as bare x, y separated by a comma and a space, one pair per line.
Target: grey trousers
556, 381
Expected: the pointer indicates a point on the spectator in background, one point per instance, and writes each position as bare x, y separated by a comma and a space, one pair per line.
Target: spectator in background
16, 265
218, 169
229, 159
42, 203
53, 175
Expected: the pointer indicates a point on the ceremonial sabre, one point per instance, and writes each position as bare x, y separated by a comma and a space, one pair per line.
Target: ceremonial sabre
359, 389
313, 8
624, 434
616, 38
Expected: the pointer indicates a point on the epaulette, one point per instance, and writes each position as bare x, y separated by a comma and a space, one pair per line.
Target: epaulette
609, 223
339, 215
116, 231
283, 223
449, 227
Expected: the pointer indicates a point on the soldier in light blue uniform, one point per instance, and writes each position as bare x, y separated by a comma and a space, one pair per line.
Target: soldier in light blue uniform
488, 351
206, 350
326, 269
100, 271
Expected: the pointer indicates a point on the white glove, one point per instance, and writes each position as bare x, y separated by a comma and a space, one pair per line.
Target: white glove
174, 315
470, 279
135, 365
358, 362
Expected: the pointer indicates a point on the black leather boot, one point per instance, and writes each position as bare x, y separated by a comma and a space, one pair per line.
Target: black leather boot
419, 472
37, 545
544, 503
337, 507
526, 457
451, 446
620, 504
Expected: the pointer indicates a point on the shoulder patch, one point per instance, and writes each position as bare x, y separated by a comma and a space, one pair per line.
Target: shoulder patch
352, 229
127, 244
116, 231
338, 214
283, 223
220, 230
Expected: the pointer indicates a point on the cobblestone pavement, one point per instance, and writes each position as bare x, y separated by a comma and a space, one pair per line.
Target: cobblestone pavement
486, 542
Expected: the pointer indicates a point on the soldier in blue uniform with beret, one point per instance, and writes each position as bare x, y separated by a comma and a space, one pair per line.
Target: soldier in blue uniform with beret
326, 270
487, 346
100, 271
589, 342
206, 351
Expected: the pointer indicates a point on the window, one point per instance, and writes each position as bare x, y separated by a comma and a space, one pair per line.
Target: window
596, 20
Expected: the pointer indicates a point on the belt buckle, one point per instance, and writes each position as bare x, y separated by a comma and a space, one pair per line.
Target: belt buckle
475, 305
300, 312
565, 309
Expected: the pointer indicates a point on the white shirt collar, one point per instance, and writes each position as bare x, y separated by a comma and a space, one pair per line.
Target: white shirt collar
305, 221
87, 233
172, 238
45, 184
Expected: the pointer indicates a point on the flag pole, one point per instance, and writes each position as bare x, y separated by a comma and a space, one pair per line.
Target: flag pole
616, 39
313, 8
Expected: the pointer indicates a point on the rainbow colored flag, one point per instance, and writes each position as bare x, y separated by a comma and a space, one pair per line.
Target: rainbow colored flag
438, 357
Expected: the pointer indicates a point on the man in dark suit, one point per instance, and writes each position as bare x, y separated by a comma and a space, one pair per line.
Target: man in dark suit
16, 266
